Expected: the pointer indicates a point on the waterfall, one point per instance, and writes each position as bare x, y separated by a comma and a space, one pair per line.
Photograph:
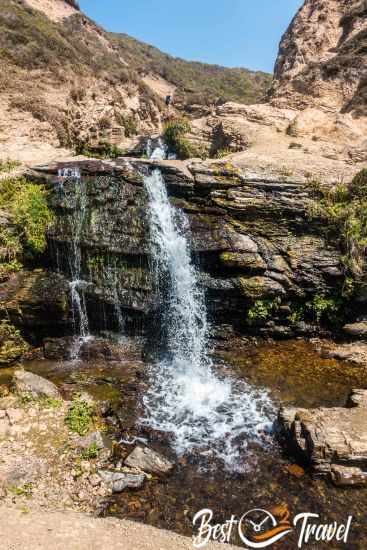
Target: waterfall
205, 412
77, 284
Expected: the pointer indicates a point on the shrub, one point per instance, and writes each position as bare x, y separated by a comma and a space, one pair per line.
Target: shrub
80, 417
358, 185
31, 212
344, 209
174, 136
26, 203
104, 123
12, 345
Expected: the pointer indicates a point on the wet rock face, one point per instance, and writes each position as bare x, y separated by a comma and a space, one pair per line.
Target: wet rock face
333, 441
251, 239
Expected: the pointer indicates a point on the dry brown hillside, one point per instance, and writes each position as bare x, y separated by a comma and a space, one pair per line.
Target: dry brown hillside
65, 82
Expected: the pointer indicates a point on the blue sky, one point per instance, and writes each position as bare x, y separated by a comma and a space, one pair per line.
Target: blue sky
234, 33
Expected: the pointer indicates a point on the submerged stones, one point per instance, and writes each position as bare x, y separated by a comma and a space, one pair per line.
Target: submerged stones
333, 441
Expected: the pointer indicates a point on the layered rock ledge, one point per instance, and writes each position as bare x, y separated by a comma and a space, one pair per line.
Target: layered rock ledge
251, 233
332, 441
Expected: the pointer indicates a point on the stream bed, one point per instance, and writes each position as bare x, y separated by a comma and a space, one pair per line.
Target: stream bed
292, 372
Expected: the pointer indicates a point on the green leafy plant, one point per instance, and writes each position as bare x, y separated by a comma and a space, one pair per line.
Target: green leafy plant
323, 307
80, 416
297, 314
91, 453
262, 310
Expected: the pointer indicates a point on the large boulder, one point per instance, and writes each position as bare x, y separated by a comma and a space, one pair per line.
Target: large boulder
332, 441
31, 384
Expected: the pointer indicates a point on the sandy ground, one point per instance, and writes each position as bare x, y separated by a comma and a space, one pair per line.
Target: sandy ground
73, 531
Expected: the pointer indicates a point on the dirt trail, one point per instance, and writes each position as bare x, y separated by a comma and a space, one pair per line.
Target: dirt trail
73, 531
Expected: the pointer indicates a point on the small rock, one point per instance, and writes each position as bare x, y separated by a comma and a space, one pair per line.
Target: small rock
295, 470
344, 476
147, 460
14, 415
94, 480
29, 383
119, 481
95, 438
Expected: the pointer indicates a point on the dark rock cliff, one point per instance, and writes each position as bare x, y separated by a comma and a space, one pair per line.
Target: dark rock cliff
260, 258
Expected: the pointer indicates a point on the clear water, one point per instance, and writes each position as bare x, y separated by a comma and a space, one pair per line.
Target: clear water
211, 414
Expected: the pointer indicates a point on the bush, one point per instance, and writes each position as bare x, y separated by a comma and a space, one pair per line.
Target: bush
12, 345
358, 185
344, 209
32, 213
174, 136
27, 204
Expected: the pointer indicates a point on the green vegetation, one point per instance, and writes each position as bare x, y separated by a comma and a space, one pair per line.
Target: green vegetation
344, 208
324, 308
12, 345
91, 453
174, 136
102, 151
200, 83
25, 490
8, 165
262, 310
23, 235
80, 416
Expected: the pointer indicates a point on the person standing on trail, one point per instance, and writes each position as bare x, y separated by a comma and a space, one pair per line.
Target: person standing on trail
169, 101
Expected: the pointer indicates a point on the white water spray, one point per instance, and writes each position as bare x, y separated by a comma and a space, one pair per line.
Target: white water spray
205, 412
77, 284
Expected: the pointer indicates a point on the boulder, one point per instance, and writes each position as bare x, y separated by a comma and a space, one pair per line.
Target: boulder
118, 481
332, 441
149, 461
356, 330
28, 383
95, 438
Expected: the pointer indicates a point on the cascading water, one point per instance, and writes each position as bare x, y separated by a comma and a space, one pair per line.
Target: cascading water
77, 284
205, 412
